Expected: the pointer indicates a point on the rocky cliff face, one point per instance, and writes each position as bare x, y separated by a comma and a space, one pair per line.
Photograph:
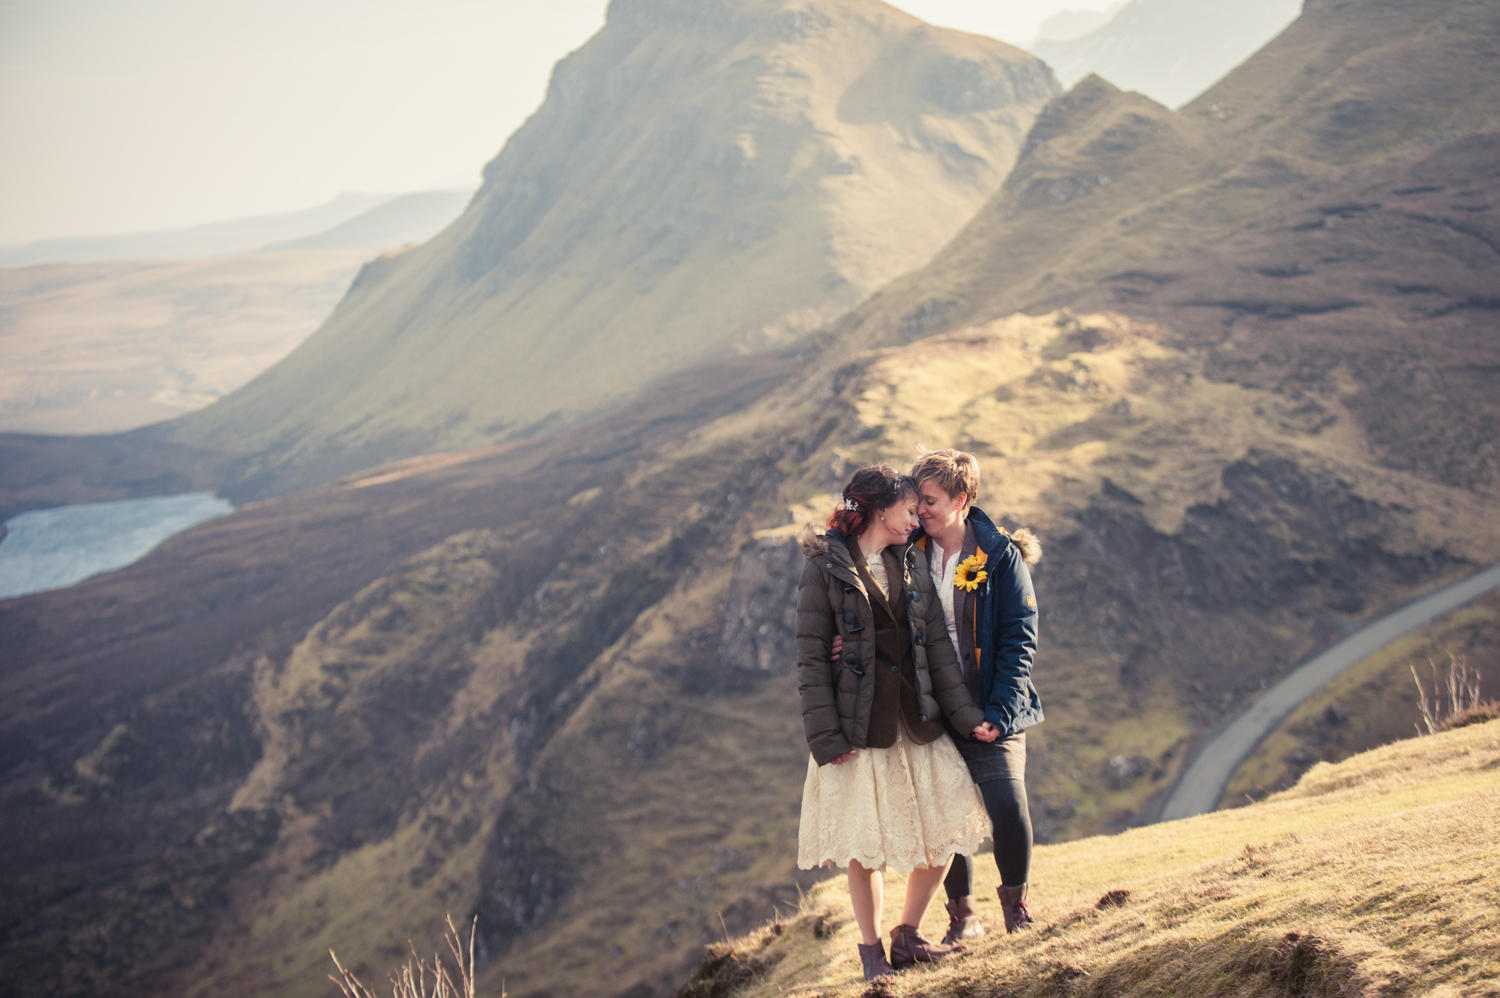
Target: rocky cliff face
701, 179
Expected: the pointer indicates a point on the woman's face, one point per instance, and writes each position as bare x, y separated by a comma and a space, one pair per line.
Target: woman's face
894, 524
937, 509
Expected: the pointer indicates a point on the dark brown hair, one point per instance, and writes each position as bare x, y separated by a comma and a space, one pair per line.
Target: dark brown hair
870, 490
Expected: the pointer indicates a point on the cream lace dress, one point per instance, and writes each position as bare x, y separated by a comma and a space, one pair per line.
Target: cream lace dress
899, 808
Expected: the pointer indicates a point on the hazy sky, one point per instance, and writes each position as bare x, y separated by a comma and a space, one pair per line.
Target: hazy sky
130, 115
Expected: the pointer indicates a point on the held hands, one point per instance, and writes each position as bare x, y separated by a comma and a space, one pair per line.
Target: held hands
985, 732
844, 758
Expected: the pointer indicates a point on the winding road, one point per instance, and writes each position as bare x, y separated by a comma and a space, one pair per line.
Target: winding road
1201, 786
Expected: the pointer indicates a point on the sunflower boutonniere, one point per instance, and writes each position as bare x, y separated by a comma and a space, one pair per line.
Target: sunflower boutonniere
970, 572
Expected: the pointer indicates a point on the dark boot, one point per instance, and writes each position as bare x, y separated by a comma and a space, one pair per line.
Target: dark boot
963, 922
1013, 905
908, 947
874, 961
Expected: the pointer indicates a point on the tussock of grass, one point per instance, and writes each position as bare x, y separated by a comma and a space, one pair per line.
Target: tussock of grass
1453, 695
419, 979
1477, 714
1374, 876
724, 970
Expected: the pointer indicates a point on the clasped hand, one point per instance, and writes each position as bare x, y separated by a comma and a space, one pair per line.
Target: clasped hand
985, 732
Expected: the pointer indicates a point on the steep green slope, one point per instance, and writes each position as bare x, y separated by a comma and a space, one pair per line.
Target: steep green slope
703, 179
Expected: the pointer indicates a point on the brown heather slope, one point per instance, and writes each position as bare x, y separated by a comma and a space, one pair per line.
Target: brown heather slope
300, 725
549, 685
704, 178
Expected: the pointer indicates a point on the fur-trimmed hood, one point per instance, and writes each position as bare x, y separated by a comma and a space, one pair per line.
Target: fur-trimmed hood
811, 540
1028, 544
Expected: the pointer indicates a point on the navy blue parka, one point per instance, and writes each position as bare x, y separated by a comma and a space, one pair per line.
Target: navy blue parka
1005, 628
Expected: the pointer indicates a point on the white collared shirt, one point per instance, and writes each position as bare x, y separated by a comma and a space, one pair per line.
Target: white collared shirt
943, 571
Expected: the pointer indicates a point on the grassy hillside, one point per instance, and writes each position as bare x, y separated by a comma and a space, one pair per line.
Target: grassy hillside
1373, 876
703, 179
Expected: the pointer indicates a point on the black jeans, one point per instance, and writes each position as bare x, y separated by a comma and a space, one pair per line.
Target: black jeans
1000, 770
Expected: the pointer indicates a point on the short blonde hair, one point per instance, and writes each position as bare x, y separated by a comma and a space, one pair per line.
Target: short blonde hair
955, 471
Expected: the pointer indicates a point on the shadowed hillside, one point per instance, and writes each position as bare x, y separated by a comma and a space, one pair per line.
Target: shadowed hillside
548, 682
702, 179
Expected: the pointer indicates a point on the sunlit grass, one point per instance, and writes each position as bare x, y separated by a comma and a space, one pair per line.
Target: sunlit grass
1374, 876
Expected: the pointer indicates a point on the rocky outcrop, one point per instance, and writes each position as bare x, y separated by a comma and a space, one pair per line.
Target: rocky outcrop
757, 624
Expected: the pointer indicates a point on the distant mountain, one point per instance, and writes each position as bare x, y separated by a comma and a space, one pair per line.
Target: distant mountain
409, 218
1169, 50
1066, 25
115, 344
348, 221
213, 239
705, 177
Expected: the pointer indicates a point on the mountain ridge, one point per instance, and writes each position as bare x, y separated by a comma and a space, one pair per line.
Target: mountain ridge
727, 193
236, 235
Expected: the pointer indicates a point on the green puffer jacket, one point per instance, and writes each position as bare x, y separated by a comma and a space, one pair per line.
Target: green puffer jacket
836, 698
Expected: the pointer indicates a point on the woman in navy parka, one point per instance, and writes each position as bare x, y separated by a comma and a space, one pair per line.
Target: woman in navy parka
982, 576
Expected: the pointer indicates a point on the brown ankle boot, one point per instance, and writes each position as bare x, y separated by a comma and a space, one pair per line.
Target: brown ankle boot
872, 957
908, 947
1013, 905
963, 922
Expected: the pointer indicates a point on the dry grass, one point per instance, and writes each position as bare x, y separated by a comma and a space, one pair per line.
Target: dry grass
1453, 695
411, 979
1375, 876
